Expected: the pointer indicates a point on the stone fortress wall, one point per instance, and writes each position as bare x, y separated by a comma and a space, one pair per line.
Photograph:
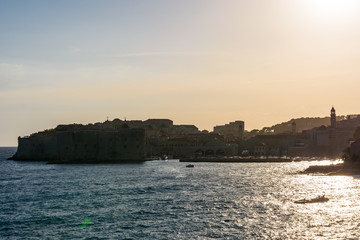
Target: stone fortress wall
84, 146
119, 140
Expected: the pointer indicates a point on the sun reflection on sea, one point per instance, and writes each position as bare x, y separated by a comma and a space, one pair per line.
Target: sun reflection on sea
337, 214
327, 162
169, 201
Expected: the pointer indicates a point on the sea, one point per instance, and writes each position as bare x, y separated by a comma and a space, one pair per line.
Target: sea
166, 200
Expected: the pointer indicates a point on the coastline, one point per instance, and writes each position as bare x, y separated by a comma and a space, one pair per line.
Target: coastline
80, 161
334, 169
236, 159
97, 162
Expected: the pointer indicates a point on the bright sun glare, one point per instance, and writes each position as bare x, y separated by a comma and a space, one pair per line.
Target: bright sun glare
331, 11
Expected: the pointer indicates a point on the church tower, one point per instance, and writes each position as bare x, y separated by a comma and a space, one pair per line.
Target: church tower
332, 118
332, 134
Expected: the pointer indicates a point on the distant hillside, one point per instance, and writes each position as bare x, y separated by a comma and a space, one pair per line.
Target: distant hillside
301, 124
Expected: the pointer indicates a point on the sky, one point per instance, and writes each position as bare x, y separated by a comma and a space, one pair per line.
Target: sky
201, 62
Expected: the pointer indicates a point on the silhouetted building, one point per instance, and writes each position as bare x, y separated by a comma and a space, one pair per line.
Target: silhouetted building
326, 141
260, 149
330, 141
232, 131
293, 127
192, 145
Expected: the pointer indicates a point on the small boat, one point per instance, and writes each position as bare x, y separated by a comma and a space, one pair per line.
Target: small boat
318, 199
190, 165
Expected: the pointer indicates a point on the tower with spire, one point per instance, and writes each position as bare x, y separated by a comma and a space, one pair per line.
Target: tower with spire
332, 135
332, 117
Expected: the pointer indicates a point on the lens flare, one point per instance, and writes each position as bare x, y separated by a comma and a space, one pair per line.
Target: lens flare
85, 223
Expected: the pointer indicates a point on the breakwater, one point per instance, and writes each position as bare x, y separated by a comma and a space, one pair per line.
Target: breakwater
237, 159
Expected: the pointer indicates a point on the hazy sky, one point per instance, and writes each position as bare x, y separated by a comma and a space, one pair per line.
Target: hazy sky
196, 62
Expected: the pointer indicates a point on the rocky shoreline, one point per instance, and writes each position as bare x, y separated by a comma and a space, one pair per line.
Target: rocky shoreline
81, 161
96, 162
334, 170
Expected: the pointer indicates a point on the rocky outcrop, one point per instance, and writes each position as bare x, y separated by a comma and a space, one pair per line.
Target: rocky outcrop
334, 169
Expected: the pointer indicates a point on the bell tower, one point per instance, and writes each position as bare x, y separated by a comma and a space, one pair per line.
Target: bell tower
332, 118
332, 134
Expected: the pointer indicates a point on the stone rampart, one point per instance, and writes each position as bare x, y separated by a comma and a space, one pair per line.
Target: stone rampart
119, 145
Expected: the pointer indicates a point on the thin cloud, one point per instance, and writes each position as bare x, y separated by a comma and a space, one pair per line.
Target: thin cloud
97, 53
168, 53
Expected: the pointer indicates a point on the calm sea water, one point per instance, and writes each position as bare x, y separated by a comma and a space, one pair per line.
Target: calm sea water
166, 200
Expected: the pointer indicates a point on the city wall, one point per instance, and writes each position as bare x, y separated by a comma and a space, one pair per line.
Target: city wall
84, 146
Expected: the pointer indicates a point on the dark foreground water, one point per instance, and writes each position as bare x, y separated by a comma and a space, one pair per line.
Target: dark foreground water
166, 200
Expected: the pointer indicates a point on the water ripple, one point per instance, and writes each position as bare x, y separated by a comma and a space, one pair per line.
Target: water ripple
166, 200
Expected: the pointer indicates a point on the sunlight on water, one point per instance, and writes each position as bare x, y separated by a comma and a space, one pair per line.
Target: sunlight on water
327, 162
166, 200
